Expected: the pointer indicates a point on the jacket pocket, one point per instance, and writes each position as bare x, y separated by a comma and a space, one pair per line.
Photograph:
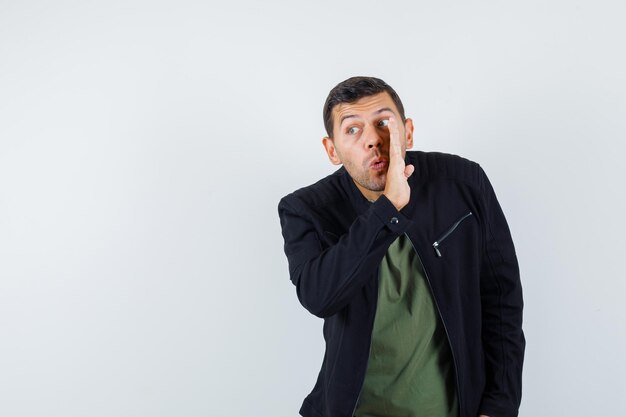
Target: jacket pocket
443, 237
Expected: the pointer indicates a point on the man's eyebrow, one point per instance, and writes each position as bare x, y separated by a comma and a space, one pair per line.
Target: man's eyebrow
349, 116
383, 110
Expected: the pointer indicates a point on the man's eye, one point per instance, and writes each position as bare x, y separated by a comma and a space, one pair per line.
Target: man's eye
383, 122
353, 131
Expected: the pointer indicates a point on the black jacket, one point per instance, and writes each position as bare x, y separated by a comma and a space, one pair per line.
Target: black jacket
335, 240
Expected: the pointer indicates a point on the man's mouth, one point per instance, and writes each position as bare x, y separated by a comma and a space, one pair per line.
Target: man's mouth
379, 164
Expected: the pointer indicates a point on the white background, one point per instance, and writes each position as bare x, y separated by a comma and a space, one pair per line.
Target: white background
144, 146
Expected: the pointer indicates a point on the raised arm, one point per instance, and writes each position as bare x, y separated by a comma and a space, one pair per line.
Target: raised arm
326, 278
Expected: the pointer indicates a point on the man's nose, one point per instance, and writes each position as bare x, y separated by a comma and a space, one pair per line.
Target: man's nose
373, 138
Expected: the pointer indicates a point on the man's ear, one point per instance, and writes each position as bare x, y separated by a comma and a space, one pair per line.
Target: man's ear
329, 145
408, 129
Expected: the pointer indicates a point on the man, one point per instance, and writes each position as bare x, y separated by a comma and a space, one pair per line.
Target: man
408, 258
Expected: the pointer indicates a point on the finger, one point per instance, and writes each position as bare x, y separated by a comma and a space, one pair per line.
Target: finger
395, 149
394, 131
408, 170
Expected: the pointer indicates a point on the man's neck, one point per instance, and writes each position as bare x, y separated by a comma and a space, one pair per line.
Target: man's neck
370, 195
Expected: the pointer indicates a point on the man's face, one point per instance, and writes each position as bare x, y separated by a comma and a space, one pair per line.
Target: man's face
361, 140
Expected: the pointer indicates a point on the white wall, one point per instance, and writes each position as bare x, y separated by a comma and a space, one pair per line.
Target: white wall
144, 146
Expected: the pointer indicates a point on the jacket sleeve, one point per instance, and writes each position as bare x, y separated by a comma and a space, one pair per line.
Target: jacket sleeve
327, 278
502, 304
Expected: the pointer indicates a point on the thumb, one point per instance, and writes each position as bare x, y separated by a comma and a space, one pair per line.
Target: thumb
408, 170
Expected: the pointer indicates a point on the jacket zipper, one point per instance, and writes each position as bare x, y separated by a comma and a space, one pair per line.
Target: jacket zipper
456, 373
446, 234
356, 403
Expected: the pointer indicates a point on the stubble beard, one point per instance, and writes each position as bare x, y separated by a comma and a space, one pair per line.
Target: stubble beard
364, 179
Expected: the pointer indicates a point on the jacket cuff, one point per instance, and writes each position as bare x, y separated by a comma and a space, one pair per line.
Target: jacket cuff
389, 215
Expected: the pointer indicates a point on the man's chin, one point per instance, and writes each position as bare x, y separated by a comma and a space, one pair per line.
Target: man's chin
377, 187
378, 182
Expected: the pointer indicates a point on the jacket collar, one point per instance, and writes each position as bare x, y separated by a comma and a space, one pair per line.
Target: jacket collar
358, 201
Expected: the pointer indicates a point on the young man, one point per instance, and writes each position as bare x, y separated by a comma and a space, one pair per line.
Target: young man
408, 258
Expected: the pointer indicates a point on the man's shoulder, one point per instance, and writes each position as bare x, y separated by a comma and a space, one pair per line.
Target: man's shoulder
325, 192
433, 166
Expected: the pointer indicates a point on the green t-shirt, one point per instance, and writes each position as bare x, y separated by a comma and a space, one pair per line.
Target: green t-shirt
410, 370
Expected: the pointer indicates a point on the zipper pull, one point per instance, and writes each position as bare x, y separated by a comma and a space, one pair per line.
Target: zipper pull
436, 247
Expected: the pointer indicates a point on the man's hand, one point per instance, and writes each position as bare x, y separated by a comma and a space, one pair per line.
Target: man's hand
397, 188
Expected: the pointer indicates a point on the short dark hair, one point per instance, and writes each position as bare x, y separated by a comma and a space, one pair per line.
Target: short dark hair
353, 89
